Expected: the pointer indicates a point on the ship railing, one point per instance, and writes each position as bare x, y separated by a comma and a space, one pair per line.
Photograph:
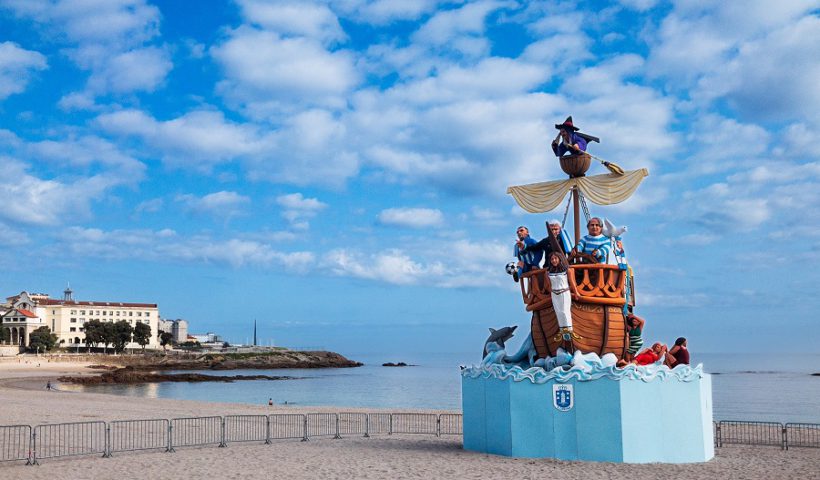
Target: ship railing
22, 442
596, 283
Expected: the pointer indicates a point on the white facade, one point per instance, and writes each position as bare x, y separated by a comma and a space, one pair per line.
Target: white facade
66, 317
20, 318
178, 328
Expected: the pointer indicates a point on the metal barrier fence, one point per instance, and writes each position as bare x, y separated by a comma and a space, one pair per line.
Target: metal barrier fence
322, 425
353, 424
285, 426
22, 442
196, 431
133, 435
751, 433
246, 428
422, 423
450, 424
802, 435
68, 439
15, 443
379, 423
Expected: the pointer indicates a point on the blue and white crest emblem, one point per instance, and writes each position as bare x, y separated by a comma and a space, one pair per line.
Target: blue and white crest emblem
563, 396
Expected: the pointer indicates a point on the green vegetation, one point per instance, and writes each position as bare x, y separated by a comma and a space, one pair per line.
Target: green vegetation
165, 339
41, 340
142, 334
120, 334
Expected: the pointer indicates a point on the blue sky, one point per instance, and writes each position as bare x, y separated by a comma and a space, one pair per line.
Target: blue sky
337, 170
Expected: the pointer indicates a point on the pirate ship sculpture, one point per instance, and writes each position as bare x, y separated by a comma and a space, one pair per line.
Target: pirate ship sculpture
601, 408
600, 291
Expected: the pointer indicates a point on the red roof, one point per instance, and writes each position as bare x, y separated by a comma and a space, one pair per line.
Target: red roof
27, 313
54, 301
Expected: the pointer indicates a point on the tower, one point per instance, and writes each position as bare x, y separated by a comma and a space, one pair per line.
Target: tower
254, 332
67, 294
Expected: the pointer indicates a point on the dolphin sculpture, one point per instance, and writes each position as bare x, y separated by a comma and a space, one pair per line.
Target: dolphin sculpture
498, 337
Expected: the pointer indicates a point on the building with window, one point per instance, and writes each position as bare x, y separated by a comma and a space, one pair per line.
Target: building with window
177, 328
65, 317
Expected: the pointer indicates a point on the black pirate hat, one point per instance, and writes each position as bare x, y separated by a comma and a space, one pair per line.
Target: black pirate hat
567, 125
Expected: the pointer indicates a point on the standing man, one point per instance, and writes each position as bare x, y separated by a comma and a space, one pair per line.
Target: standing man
527, 260
545, 247
571, 141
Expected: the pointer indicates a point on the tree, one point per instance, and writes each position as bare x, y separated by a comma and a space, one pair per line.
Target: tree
120, 334
93, 333
42, 339
165, 339
142, 334
106, 334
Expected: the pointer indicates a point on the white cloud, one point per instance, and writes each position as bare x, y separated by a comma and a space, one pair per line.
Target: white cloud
140, 69
383, 12
411, 217
201, 139
298, 209
391, 266
744, 52
107, 37
17, 66
451, 25
32, 200
223, 204
274, 72
167, 245
294, 18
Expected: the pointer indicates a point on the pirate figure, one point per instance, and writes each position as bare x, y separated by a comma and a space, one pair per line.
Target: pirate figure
571, 140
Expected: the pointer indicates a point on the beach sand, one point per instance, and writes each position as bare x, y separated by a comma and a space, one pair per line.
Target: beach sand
25, 400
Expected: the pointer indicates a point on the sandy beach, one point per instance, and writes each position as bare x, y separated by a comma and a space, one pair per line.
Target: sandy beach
26, 401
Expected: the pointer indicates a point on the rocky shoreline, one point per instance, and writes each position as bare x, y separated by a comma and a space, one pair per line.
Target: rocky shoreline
129, 375
143, 368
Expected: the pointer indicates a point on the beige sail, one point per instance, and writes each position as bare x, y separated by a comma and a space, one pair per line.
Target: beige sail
599, 189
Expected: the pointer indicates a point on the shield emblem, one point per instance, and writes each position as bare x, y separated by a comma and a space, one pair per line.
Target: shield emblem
563, 397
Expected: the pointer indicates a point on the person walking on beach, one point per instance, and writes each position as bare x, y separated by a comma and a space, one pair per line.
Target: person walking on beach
48, 385
270, 402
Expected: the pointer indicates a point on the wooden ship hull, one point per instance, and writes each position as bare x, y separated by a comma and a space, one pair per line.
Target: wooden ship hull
598, 323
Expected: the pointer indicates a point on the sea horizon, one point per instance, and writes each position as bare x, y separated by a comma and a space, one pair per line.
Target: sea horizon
745, 387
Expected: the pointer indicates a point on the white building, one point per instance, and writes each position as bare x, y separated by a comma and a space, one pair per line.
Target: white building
66, 317
19, 318
178, 328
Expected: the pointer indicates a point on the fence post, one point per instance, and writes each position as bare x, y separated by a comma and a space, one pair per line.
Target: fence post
33, 447
719, 436
170, 437
337, 436
222, 443
366, 425
438, 425
267, 430
304, 428
107, 448
390, 425
785, 444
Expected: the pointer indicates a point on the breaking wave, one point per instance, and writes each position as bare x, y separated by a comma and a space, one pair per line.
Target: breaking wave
585, 368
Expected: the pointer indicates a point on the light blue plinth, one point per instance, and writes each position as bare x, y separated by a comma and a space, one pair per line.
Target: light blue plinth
632, 421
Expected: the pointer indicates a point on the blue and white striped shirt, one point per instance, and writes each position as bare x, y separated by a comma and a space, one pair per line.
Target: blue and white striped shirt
588, 243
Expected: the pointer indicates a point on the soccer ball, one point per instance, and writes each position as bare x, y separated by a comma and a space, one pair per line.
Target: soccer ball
511, 267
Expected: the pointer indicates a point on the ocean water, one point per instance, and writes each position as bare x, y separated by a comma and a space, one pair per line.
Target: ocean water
744, 387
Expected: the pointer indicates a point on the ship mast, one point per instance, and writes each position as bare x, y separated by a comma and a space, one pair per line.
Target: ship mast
576, 166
